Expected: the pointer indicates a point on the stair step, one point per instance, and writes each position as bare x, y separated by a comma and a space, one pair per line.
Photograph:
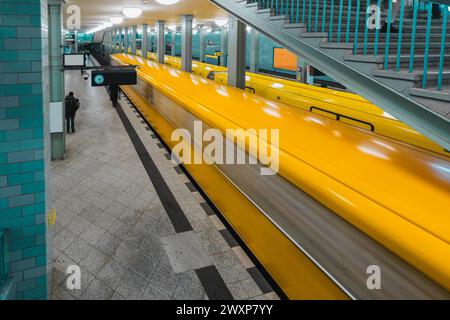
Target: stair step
263, 11
274, 18
393, 58
382, 45
432, 93
416, 75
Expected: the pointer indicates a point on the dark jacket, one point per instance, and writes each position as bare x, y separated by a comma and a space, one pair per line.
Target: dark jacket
72, 105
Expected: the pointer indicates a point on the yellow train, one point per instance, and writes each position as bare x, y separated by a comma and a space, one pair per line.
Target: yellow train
343, 202
338, 105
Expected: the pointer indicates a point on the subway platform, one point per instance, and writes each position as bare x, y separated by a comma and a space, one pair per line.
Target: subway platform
132, 221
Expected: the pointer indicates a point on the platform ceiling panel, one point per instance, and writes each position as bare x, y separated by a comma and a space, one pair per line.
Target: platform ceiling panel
94, 13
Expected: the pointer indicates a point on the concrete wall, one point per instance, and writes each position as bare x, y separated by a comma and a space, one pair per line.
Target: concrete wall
24, 142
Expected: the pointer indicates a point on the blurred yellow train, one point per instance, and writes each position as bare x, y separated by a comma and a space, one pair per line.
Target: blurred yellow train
344, 199
338, 105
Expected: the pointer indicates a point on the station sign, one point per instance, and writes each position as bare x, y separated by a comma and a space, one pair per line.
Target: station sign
108, 77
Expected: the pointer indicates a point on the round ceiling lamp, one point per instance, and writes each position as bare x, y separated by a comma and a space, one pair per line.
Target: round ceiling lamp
132, 12
167, 2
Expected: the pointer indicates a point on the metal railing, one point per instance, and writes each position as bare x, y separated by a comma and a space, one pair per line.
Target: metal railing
410, 34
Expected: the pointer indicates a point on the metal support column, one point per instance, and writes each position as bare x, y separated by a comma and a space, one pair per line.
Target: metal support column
202, 33
236, 53
302, 70
186, 43
56, 80
160, 43
120, 42
133, 39
76, 41
172, 40
224, 46
126, 42
144, 44
254, 51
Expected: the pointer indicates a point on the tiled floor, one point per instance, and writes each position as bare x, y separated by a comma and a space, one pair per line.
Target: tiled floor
112, 224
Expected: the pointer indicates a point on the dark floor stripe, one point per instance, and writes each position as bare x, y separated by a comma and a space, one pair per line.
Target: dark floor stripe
260, 280
212, 282
173, 209
178, 170
207, 208
229, 238
191, 187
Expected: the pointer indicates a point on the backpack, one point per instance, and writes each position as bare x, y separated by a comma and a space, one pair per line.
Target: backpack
76, 104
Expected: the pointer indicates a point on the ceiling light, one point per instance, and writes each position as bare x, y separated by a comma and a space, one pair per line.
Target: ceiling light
132, 12
221, 22
249, 28
172, 28
117, 20
167, 2
208, 30
107, 24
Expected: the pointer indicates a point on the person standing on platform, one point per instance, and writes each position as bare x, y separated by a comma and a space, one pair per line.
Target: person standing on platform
114, 93
72, 106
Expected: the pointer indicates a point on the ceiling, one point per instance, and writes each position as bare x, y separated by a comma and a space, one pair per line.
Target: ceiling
95, 12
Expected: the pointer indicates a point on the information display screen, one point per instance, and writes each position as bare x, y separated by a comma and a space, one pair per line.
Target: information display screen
74, 60
284, 59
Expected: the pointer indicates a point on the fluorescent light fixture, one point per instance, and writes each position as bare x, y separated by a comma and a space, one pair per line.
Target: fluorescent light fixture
107, 24
249, 28
117, 20
132, 12
221, 22
172, 28
209, 30
167, 2
194, 23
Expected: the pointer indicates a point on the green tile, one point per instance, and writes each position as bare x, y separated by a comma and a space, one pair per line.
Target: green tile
17, 223
7, 32
16, 20
31, 100
37, 165
33, 187
34, 209
11, 213
23, 66
19, 134
34, 230
34, 252
32, 144
21, 179
9, 55
23, 243
41, 260
37, 293
9, 169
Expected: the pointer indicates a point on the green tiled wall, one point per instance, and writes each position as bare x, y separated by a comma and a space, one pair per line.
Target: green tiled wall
24, 142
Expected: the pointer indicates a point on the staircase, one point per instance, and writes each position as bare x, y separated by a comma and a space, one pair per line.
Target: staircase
403, 68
